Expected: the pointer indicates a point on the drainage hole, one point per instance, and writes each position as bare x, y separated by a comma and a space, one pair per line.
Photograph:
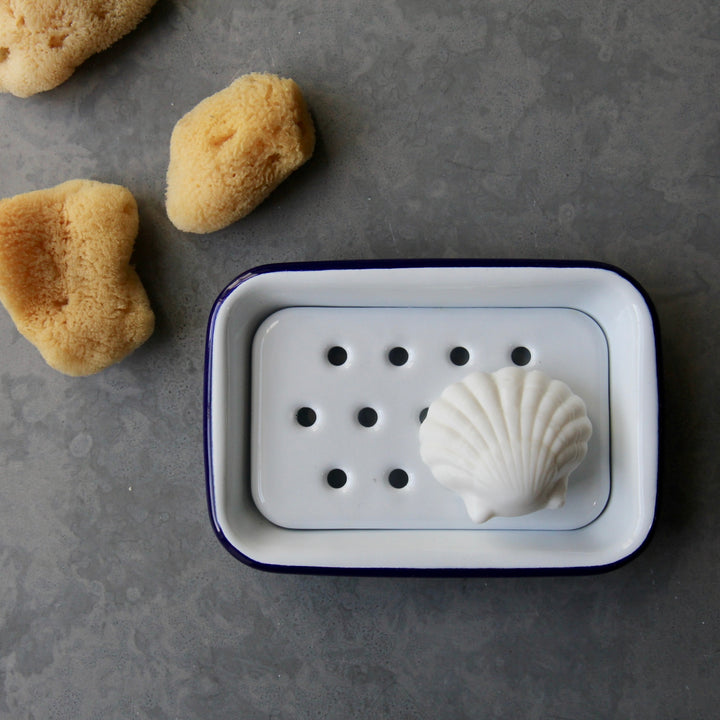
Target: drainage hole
423, 415
459, 355
336, 478
367, 417
306, 416
398, 478
398, 356
520, 355
337, 355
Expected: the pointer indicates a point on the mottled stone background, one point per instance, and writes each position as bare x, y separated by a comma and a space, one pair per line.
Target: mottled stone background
520, 129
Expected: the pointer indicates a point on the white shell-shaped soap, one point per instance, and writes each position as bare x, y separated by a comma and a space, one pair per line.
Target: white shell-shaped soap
506, 441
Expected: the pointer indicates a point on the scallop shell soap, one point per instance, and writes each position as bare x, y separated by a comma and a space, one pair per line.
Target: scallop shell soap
506, 441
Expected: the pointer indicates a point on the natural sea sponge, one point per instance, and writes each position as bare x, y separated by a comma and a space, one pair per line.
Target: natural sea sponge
65, 274
233, 149
43, 41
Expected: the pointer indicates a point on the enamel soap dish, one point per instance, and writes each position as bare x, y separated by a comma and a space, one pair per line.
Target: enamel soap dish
423, 417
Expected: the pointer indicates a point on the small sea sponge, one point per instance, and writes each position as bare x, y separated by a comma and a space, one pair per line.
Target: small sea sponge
233, 149
43, 41
65, 274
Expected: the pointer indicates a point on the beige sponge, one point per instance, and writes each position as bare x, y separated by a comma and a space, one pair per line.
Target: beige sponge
233, 149
43, 41
65, 276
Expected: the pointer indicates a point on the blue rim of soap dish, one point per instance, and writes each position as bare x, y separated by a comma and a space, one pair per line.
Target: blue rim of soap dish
610, 296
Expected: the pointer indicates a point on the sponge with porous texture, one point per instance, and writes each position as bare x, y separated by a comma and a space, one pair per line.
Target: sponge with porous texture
233, 149
65, 274
43, 41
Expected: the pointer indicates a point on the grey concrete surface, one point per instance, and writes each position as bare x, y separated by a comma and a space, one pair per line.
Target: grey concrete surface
519, 129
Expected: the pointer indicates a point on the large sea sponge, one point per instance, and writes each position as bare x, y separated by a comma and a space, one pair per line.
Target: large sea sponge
43, 41
65, 274
233, 149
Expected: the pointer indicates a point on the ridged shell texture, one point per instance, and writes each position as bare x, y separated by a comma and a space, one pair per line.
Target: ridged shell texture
506, 441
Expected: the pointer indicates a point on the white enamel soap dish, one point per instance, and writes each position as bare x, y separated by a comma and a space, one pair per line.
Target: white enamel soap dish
319, 377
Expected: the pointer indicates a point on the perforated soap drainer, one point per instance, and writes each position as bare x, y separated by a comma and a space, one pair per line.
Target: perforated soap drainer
318, 377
